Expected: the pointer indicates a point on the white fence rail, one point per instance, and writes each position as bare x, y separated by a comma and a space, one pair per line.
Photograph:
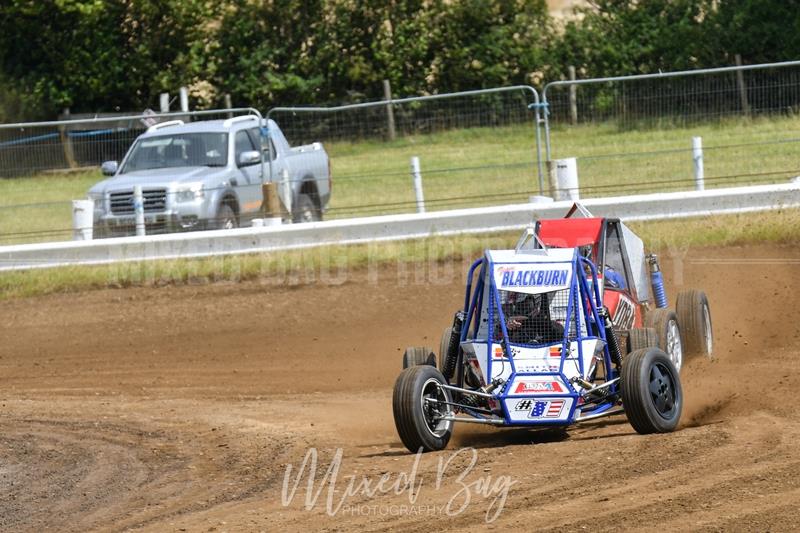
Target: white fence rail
393, 227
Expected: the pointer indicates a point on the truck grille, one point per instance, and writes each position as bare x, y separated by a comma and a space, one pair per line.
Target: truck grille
155, 201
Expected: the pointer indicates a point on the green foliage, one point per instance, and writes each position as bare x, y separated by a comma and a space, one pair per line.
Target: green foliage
96, 55
341, 50
761, 31
620, 37
100, 55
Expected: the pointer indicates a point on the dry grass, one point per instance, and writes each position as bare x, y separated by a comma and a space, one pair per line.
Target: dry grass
420, 261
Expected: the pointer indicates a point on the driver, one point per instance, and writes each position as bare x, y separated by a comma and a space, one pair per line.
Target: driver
528, 319
614, 279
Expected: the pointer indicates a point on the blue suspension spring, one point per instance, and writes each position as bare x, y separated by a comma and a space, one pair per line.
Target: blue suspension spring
658, 289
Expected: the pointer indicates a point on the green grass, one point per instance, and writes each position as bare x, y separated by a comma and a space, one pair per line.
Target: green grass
39, 208
421, 261
736, 151
478, 166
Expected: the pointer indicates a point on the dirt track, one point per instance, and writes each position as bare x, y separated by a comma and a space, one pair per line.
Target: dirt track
179, 408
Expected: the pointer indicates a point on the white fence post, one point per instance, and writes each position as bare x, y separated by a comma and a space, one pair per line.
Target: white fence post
697, 155
138, 209
567, 179
184, 92
82, 219
417, 176
163, 102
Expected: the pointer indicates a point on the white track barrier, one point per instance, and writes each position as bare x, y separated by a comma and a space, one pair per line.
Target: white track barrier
658, 206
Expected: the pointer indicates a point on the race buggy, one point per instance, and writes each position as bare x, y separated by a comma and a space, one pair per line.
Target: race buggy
552, 334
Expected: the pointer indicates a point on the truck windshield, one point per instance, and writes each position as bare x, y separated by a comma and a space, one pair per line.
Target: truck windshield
178, 150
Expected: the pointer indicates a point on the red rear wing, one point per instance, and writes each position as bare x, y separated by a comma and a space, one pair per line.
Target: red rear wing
570, 232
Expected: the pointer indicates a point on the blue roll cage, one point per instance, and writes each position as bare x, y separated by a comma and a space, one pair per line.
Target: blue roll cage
588, 296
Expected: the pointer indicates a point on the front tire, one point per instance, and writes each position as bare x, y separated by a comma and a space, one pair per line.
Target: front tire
226, 218
694, 315
651, 391
666, 324
417, 415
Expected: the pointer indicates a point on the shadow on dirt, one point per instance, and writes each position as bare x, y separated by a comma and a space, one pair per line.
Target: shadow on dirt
497, 437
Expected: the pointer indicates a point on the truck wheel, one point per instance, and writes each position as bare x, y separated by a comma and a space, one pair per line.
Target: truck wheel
306, 210
448, 353
639, 338
419, 355
417, 413
694, 316
226, 218
651, 391
665, 322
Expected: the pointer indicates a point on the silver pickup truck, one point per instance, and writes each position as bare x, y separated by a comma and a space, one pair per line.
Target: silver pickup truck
208, 175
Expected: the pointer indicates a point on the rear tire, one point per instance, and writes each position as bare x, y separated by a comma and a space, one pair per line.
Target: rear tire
419, 355
639, 338
306, 210
651, 391
668, 330
694, 316
448, 353
415, 417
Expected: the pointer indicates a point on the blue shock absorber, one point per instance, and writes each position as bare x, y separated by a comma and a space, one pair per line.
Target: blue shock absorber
657, 281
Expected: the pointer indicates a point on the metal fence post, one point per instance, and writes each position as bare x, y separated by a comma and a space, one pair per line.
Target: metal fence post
697, 156
138, 209
417, 176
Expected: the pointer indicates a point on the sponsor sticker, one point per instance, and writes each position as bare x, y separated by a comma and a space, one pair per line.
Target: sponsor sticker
532, 277
536, 367
528, 387
547, 409
625, 313
523, 405
555, 351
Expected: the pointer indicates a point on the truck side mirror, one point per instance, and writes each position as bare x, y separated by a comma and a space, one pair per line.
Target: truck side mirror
250, 157
109, 168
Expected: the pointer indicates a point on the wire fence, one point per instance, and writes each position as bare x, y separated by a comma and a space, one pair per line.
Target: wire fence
633, 133
475, 148
630, 135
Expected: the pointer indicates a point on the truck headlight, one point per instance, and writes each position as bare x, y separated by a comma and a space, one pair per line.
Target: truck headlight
190, 193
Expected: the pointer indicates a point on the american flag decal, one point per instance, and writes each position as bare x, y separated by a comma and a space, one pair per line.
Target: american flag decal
547, 409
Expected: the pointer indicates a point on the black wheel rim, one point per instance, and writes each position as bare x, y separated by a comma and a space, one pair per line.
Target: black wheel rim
433, 409
662, 390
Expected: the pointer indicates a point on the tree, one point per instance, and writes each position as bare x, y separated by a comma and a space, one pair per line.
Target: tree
761, 31
95, 55
621, 37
